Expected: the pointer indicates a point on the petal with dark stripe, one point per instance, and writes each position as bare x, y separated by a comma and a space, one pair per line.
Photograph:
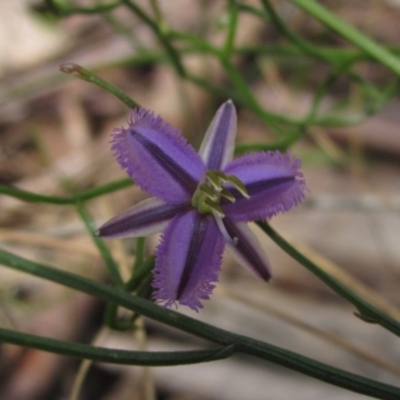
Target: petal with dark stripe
147, 217
247, 249
219, 141
273, 181
158, 158
188, 260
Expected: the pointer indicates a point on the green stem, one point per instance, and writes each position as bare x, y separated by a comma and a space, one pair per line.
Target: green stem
304, 45
84, 74
376, 51
322, 90
157, 12
139, 252
114, 356
112, 320
82, 196
374, 107
139, 274
367, 310
161, 35
233, 21
112, 266
247, 97
65, 11
341, 64
219, 336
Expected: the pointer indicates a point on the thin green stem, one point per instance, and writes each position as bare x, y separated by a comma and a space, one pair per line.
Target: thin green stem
56, 200
323, 121
127, 32
376, 51
139, 251
114, 356
244, 94
252, 10
159, 31
219, 336
373, 108
322, 90
144, 57
157, 12
141, 270
86, 75
232, 26
367, 310
112, 320
139, 274
335, 54
64, 10
303, 45
111, 264
341, 64
247, 97
210, 87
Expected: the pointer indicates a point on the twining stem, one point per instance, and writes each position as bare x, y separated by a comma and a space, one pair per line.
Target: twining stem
139, 274
139, 252
57, 200
229, 45
376, 51
84, 368
63, 10
229, 341
114, 356
304, 45
111, 264
81, 73
366, 310
158, 30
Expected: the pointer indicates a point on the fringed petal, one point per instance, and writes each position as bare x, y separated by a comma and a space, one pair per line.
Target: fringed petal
219, 141
157, 157
247, 249
188, 260
147, 217
273, 181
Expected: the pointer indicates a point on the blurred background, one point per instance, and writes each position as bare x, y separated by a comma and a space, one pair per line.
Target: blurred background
54, 140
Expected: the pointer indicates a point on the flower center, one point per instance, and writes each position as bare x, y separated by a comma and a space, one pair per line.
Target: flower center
211, 190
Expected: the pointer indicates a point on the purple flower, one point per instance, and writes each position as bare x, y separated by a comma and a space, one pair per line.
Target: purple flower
202, 201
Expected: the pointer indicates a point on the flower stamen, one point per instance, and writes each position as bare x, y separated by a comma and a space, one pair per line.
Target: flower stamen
208, 194
238, 184
221, 226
